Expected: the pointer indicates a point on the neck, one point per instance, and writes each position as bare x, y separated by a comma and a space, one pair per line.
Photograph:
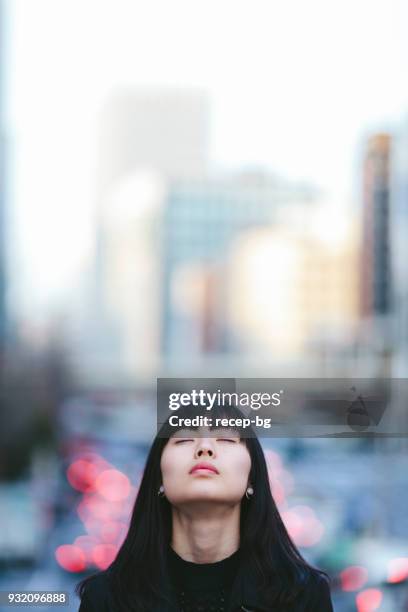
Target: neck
207, 537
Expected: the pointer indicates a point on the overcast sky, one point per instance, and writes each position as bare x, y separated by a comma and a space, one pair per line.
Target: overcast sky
294, 86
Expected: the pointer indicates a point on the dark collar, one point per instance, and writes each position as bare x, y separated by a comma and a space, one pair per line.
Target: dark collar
186, 574
249, 597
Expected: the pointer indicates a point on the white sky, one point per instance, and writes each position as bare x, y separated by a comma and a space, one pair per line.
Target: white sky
294, 86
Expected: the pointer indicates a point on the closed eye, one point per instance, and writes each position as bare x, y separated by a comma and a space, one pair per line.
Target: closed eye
226, 440
181, 440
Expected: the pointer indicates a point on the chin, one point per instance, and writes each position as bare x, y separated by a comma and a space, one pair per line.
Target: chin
210, 497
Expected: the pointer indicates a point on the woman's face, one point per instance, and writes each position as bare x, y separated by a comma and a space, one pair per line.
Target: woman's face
211, 468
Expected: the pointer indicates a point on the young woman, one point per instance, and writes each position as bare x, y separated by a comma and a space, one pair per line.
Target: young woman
205, 535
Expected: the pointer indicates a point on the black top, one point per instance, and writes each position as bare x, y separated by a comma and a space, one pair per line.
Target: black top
203, 587
207, 585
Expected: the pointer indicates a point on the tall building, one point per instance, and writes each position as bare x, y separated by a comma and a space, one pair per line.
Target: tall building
167, 261
133, 262
399, 250
161, 130
202, 221
292, 295
375, 258
145, 139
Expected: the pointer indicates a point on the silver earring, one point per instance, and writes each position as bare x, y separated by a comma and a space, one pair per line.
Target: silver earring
160, 492
249, 492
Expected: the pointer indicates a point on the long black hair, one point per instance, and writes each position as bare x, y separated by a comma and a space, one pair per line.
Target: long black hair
139, 574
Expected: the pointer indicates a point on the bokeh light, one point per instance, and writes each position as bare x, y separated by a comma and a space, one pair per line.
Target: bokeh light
104, 554
369, 600
83, 472
353, 578
398, 570
303, 525
113, 485
71, 558
86, 543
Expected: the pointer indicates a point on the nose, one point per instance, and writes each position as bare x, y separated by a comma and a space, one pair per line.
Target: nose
205, 448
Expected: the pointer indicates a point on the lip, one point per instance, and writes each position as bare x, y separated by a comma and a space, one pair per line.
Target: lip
204, 466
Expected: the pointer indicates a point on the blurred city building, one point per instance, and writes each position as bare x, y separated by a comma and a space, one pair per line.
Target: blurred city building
167, 250
291, 294
165, 131
165, 226
399, 249
374, 342
145, 138
375, 266
133, 270
203, 220
193, 265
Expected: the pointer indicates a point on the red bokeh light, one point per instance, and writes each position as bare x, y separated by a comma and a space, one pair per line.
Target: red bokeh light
273, 462
83, 472
113, 485
280, 480
92, 526
112, 532
104, 510
278, 492
369, 600
353, 578
398, 570
94, 507
104, 554
303, 525
86, 543
81, 475
71, 558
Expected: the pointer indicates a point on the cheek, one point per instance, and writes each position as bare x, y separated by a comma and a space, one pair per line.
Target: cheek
238, 469
171, 466
166, 464
174, 466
